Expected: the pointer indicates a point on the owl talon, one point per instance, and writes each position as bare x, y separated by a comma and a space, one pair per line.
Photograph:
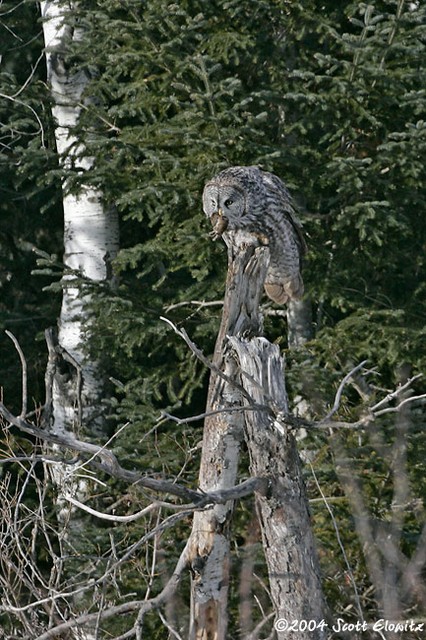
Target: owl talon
214, 235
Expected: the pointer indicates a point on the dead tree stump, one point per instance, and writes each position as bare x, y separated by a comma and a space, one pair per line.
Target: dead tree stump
247, 395
223, 434
287, 537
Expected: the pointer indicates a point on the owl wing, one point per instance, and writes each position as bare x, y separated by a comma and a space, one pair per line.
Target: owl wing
284, 198
284, 280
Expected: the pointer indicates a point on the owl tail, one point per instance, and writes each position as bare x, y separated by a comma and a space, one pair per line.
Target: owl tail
282, 292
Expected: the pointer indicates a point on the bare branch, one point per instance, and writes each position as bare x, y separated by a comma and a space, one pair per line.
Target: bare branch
24, 373
108, 464
142, 605
339, 392
254, 635
256, 407
395, 393
247, 487
111, 466
200, 355
30, 77
107, 516
199, 303
43, 458
400, 405
340, 543
374, 411
27, 106
170, 629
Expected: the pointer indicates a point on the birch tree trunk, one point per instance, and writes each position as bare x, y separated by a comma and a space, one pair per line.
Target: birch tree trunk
90, 237
223, 434
74, 385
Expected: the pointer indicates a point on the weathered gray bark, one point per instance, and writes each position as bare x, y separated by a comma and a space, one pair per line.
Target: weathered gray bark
255, 383
287, 536
223, 434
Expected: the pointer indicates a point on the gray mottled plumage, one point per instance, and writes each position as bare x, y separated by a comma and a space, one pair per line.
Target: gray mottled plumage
249, 199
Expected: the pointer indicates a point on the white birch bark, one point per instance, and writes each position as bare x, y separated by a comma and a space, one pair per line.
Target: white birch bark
90, 232
74, 384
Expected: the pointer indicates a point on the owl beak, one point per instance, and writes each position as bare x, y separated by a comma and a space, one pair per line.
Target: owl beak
220, 213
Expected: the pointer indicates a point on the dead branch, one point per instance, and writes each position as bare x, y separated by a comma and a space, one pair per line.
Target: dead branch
24, 373
210, 365
374, 411
108, 516
168, 416
338, 396
399, 406
143, 606
198, 303
396, 392
271, 406
326, 501
111, 466
206, 501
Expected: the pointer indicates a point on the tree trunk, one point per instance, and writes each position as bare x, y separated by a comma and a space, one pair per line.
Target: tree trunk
254, 383
299, 322
74, 384
223, 433
90, 237
288, 540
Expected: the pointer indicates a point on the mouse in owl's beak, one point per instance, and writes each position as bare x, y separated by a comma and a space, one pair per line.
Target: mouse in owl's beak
219, 223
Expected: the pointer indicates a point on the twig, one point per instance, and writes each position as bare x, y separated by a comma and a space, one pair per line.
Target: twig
170, 629
30, 77
104, 446
107, 516
200, 355
340, 543
202, 504
400, 405
198, 303
43, 458
27, 106
164, 415
254, 635
24, 373
111, 466
393, 394
273, 408
143, 605
109, 462
166, 524
339, 392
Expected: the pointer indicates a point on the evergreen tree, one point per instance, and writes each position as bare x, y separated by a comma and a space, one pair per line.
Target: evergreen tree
330, 96
30, 216
355, 141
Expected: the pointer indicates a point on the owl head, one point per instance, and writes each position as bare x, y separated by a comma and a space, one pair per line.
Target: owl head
225, 201
230, 199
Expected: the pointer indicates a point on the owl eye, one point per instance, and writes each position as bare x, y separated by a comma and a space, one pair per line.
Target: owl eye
228, 202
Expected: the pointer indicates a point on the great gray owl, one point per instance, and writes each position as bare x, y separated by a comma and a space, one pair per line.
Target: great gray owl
255, 201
